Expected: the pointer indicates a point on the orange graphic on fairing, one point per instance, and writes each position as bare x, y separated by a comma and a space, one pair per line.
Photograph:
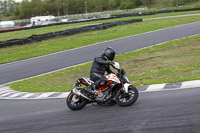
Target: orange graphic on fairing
84, 82
110, 77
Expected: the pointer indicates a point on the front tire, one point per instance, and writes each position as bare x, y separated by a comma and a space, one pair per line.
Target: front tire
75, 102
126, 99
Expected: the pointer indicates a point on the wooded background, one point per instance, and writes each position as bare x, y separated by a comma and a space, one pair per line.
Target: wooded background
28, 9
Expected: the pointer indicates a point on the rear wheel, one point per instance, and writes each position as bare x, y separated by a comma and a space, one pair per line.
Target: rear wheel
127, 99
75, 102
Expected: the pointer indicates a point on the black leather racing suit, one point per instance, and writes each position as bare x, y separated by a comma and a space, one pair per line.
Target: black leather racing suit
99, 67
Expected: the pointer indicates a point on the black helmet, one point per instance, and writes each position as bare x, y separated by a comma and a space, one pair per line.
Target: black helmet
109, 53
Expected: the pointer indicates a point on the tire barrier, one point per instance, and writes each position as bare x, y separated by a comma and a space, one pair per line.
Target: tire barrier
153, 13
36, 38
133, 14
62, 23
182, 10
112, 17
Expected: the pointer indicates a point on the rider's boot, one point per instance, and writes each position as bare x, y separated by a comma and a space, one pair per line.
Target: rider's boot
92, 88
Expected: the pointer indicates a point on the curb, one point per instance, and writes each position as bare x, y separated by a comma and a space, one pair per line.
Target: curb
7, 93
169, 86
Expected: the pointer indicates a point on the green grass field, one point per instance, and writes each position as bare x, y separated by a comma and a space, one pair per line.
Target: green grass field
174, 61
16, 53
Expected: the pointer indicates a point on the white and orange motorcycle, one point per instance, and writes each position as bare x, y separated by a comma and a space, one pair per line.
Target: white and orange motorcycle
117, 90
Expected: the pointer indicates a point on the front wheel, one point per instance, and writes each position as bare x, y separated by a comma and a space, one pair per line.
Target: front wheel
75, 102
126, 99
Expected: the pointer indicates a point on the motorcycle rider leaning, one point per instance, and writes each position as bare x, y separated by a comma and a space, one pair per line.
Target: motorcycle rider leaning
101, 65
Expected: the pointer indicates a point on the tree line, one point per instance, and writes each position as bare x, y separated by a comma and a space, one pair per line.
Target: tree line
27, 8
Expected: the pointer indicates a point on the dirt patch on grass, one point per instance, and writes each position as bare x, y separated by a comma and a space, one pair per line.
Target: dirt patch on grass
145, 59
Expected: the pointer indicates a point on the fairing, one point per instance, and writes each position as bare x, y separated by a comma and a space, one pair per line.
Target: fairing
113, 77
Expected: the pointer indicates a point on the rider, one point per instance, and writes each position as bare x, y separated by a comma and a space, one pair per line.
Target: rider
100, 65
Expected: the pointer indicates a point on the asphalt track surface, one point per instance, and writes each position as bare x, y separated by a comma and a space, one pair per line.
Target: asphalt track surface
174, 111
28, 68
171, 111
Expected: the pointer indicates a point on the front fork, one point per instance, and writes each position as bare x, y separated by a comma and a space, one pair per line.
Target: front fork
125, 87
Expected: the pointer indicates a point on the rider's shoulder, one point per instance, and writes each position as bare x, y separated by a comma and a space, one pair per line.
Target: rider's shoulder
98, 56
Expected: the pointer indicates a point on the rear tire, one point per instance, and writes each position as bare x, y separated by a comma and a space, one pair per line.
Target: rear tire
75, 102
126, 99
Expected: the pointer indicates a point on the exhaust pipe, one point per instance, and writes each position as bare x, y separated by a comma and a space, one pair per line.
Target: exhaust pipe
77, 92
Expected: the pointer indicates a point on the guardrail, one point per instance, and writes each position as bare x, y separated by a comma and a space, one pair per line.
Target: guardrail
35, 38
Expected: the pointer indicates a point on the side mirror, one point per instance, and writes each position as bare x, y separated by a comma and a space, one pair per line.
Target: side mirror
123, 72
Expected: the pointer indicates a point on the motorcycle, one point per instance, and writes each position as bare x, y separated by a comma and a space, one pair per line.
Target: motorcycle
117, 90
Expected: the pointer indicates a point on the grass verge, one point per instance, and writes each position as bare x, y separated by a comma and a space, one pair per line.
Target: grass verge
16, 53
174, 61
